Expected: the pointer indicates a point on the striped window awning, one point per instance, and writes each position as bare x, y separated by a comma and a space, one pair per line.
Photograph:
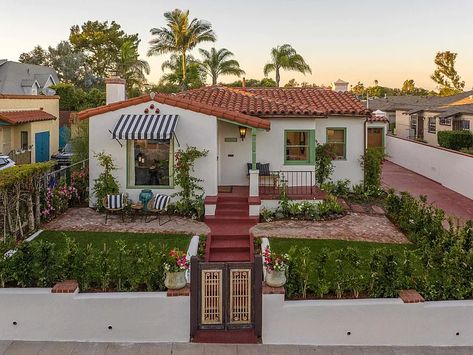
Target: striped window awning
145, 127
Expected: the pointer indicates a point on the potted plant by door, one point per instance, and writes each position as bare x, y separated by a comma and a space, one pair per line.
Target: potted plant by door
176, 266
276, 266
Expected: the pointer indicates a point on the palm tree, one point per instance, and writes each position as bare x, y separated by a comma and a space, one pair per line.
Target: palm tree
195, 77
217, 62
130, 67
179, 36
285, 57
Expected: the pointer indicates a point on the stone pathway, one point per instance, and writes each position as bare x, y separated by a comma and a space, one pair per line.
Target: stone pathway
87, 219
354, 226
402, 179
71, 348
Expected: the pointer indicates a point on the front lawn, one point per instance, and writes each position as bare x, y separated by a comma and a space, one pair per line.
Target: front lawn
321, 268
98, 239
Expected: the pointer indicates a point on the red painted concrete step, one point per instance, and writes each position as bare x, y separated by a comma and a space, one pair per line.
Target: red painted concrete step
236, 219
240, 336
229, 256
231, 213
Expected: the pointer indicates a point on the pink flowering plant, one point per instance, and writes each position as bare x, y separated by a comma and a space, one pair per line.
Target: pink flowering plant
274, 261
176, 261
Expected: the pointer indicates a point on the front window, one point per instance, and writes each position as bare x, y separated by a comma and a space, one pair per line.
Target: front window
337, 139
299, 147
432, 125
24, 140
465, 124
149, 162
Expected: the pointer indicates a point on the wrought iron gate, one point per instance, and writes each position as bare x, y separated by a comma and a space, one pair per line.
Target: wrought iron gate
226, 296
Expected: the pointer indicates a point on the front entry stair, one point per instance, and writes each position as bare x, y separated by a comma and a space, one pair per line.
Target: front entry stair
230, 239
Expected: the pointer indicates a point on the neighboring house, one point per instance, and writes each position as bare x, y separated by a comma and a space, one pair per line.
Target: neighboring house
25, 79
376, 129
275, 127
29, 127
418, 117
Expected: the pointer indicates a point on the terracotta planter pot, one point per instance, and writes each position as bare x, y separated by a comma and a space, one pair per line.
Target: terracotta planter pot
275, 278
175, 280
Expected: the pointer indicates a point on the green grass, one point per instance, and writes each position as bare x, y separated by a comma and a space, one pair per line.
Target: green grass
98, 239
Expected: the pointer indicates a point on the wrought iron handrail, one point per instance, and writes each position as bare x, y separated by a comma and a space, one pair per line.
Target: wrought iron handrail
52, 178
295, 181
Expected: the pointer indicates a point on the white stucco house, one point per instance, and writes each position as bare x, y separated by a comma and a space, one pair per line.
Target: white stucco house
243, 129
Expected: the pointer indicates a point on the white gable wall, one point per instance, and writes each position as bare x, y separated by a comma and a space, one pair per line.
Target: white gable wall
193, 129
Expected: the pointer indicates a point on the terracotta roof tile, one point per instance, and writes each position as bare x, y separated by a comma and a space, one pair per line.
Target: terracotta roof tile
279, 101
180, 102
25, 116
374, 118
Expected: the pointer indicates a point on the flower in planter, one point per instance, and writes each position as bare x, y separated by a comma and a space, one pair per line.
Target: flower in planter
176, 261
274, 261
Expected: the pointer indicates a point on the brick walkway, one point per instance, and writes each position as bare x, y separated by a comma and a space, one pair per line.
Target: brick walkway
87, 219
71, 348
401, 179
354, 226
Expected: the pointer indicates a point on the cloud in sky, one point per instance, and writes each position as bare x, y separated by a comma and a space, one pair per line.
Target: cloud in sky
366, 40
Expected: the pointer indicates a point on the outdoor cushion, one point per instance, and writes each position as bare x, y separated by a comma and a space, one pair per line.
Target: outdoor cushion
264, 169
161, 202
115, 201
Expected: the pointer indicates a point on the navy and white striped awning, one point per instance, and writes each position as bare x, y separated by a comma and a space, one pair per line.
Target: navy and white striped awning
145, 127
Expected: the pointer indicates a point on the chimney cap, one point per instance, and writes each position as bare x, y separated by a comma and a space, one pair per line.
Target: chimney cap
115, 80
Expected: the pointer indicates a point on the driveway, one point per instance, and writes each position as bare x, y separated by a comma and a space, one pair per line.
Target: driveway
71, 348
402, 179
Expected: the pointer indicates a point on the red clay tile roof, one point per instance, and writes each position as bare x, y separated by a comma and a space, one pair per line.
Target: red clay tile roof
279, 101
374, 118
184, 103
25, 116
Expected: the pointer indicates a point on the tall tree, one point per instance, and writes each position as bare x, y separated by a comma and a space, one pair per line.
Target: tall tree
446, 75
195, 74
216, 62
131, 68
291, 84
285, 57
180, 35
37, 56
408, 87
101, 42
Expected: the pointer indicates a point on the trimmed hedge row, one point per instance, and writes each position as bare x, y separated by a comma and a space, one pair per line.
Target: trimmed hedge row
455, 140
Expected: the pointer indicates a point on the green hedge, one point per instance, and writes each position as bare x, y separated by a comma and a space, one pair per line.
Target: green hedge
19, 173
455, 140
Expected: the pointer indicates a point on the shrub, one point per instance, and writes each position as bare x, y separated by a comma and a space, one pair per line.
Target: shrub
106, 183
323, 162
348, 275
300, 271
385, 273
340, 188
329, 206
455, 140
371, 163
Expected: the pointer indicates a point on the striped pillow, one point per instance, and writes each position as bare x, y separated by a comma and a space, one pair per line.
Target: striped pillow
115, 201
161, 202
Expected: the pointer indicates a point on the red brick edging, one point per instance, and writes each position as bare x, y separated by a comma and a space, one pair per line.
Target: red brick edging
68, 286
185, 291
411, 296
268, 290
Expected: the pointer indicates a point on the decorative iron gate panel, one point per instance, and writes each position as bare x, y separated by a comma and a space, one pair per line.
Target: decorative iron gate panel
226, 295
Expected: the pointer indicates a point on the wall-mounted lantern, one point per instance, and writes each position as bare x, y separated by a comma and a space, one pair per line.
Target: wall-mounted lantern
242, 132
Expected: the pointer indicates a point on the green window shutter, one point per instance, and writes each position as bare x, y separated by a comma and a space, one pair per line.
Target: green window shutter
312, 146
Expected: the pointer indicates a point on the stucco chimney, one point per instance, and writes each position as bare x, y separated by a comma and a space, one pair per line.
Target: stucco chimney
115, 89
243, 82
340, 86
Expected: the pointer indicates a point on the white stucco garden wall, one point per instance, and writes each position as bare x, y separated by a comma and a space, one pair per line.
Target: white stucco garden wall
193, 129
449, 168
369, 322
134, 317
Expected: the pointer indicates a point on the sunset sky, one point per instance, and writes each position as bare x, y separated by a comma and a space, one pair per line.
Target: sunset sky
353, 40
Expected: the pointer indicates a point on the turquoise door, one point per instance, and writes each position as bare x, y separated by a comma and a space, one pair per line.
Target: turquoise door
42, 147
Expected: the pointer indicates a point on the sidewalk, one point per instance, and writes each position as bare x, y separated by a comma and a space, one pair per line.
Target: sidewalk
71, 348
401, 179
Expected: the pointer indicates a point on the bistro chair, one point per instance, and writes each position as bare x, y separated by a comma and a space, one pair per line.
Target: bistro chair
158, 207
114, 204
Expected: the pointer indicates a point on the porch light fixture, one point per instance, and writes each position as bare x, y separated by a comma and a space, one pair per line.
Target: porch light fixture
242, 132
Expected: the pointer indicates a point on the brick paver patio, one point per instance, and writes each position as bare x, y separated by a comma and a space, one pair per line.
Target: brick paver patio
71, 348
87, 219
354, 226
402, 179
